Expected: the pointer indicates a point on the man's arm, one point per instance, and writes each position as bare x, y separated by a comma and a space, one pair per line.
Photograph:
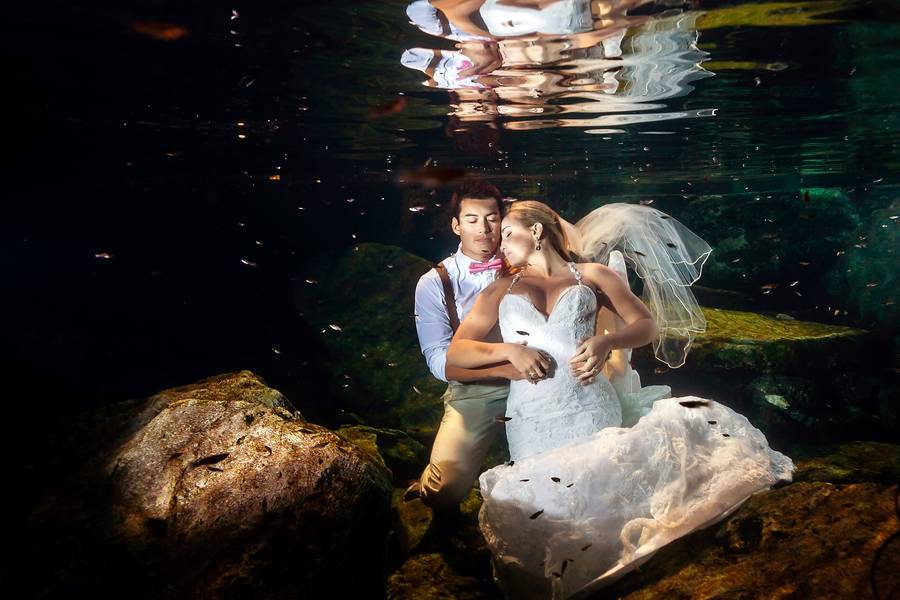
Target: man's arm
434, 331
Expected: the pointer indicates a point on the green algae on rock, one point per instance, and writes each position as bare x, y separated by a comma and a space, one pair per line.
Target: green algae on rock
759, 343
402, 455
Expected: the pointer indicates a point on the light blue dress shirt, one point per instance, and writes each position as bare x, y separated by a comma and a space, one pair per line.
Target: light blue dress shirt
432, 321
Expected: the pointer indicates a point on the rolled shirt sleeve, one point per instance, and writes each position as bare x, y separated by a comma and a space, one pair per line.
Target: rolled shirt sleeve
432, 323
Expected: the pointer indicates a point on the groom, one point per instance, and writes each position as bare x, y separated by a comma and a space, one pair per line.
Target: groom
475, 398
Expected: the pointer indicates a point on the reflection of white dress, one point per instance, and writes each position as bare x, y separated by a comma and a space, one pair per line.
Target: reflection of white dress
585, 500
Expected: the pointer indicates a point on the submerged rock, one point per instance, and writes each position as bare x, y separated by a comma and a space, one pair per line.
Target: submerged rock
819, 536
402, 455
374, 356
217, 489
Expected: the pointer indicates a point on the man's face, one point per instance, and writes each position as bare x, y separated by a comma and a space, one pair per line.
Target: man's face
478, 227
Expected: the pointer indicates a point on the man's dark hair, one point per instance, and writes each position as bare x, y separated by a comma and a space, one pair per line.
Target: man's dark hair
475, 189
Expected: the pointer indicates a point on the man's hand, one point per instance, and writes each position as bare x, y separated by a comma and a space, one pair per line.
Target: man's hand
508, 371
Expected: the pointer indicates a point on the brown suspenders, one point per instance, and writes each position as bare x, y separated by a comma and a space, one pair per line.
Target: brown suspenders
449, 298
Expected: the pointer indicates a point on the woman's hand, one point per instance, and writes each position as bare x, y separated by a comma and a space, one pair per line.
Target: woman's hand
590, 357
535, 364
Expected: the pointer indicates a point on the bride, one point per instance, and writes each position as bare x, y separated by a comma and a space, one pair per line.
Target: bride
603, 472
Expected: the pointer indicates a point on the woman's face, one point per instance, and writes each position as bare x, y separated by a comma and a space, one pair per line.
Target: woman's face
516, 241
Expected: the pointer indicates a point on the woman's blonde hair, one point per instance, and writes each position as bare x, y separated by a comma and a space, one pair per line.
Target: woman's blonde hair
529, 212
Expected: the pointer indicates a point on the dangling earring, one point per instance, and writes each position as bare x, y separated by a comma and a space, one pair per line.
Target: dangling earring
538, 245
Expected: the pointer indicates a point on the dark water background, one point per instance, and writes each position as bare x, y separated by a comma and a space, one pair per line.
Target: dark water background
126, 145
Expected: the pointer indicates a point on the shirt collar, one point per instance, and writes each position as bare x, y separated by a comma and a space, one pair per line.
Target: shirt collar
463, 261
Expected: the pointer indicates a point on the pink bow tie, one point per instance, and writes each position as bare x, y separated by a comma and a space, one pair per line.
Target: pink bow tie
491, 265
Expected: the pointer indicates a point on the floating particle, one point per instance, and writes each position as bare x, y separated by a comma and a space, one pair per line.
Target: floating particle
234, 15
390, 266
335, 327
660, 370
392, 364
768, 286
736, 260
416, 390
275, 177
646, 202
793, 283
757, 81
803, 263
311, 281
418, 208
241, 136
586, 547
784, 317
301, 208
351, 200
276, 350
249, 263
103, 255
778, 66
871, 284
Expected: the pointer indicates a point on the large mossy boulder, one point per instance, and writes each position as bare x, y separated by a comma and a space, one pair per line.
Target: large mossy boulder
215, 489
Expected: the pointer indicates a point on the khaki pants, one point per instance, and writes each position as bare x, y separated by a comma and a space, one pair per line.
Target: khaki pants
467, 429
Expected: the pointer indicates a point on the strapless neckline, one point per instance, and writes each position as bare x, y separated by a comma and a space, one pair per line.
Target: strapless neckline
559, 300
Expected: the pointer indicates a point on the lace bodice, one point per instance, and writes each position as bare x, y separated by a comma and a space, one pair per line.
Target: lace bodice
558, 409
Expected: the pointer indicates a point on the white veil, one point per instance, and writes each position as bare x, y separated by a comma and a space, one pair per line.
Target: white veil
666, 255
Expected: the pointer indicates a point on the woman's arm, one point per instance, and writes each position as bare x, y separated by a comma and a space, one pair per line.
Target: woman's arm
640, 328
468, 351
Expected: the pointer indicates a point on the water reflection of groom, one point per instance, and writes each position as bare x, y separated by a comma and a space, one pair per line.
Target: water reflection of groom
474, 397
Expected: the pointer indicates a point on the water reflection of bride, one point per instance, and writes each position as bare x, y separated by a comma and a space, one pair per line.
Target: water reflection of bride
596, 61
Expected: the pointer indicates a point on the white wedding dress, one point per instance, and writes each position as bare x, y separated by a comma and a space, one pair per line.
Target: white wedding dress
585, 499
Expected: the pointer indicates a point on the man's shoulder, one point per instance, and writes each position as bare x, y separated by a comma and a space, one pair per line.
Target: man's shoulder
430, 279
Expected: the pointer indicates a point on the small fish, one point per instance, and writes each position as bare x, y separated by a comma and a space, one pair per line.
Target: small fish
726, 435
502, 419
664, 217
335, 327
693, 403
103, 255
312, 281
391, 108
524, 480
416, 390
555, 479
511, 463
249, 263
586, 547
392, 364
160, 30
565, 563
523, 333
671, 245
537, 514
433, 176
712, 422
639, 253
803, 263
871, 284
768, 286
570, 485
418, 208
